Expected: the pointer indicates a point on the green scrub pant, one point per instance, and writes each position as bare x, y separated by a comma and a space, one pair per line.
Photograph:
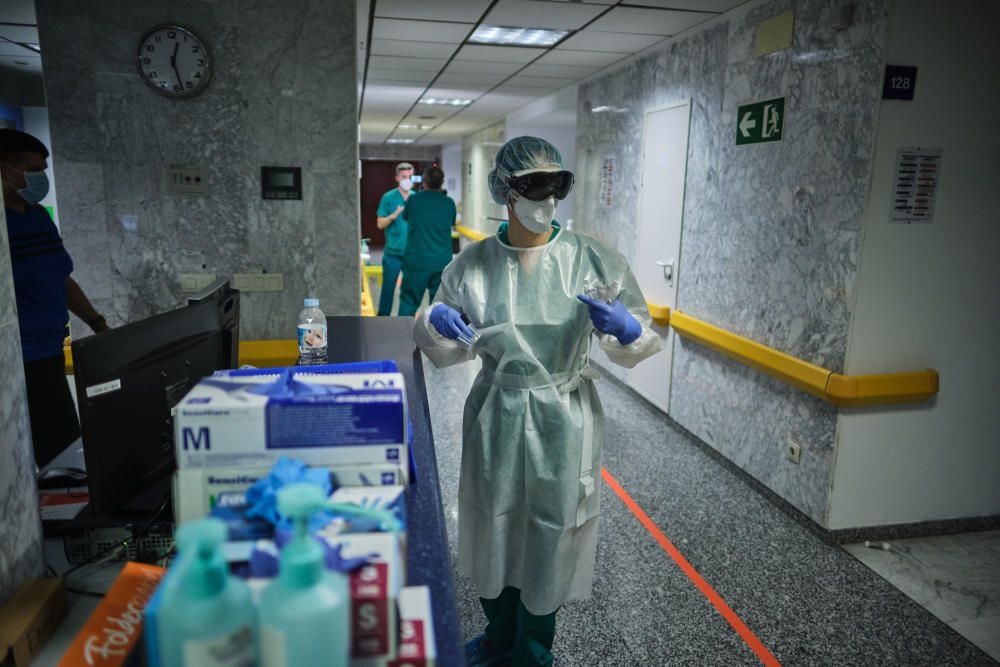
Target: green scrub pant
510, 624
412, 291
391, 266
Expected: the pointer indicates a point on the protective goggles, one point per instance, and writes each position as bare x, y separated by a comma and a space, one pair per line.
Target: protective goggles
540, 185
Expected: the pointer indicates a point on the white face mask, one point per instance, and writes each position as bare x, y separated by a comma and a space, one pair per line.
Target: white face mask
406, 184
536, 216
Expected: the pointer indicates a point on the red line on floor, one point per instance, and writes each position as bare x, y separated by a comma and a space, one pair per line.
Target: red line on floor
738, 625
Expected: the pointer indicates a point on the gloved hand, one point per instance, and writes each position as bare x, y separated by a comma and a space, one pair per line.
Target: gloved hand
448, 322
613, 319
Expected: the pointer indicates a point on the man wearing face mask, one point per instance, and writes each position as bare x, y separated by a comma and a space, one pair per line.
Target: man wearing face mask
44, 292
533, 428
392, 219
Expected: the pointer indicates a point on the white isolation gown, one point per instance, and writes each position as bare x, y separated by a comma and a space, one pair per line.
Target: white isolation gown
533, 429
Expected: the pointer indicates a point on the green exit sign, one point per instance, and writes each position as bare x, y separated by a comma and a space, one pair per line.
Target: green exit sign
760, 121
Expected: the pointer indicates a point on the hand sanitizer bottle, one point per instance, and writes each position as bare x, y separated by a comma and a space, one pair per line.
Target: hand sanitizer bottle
304, 614
207, 617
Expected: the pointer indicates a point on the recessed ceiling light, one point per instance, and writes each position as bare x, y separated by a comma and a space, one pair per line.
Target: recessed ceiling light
450, 101
509, 36
408, 126
399, 141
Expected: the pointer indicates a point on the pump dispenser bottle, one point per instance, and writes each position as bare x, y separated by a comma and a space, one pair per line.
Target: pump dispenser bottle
207, 614
305, 612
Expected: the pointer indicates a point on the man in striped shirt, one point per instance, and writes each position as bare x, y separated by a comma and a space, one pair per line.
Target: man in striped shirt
44, 292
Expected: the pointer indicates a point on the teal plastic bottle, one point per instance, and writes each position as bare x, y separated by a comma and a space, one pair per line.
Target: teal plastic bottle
305, 613
206, 617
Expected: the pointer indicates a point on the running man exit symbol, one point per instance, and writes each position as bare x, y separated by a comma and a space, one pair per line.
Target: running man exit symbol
760, 121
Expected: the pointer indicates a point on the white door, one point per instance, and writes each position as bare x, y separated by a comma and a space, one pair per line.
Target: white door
661, 210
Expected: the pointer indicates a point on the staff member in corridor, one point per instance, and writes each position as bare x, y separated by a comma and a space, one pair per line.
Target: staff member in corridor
392, 219
430, 215
44, 292
533, 428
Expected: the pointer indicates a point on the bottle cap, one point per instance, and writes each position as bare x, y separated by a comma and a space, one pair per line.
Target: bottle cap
312, 302
302, 557
198, 542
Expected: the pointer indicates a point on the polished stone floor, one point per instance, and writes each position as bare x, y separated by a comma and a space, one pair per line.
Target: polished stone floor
807, 602
955, 577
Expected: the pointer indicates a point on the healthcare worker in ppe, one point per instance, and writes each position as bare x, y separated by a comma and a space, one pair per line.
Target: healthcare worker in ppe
533, 429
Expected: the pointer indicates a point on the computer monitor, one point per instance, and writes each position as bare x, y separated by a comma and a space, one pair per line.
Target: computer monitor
228, 302
128, 380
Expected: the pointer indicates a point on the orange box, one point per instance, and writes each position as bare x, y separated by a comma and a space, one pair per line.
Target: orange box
113, 630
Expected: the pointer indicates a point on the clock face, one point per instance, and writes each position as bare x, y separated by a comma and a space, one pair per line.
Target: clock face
174, 61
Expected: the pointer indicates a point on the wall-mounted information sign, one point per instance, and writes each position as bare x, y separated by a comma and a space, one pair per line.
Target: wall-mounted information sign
760, 121
281, 182
900, 82
607, 181
915, 186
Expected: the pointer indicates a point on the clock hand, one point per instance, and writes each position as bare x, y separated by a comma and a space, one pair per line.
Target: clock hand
173, 63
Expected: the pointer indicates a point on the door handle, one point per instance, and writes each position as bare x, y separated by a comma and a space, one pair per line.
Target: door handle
668, 269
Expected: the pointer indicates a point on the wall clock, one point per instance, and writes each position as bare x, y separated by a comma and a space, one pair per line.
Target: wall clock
174, 62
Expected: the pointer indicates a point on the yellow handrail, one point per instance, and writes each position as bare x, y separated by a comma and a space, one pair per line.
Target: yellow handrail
470, 234
659, 313
840, 390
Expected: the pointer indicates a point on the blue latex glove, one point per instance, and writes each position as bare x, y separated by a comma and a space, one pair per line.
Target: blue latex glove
613, 319
448, 322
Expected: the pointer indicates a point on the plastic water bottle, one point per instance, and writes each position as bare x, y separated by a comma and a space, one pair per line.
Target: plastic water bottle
312, 334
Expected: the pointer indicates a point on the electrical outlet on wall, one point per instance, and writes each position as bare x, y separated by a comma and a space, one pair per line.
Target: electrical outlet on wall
793, 450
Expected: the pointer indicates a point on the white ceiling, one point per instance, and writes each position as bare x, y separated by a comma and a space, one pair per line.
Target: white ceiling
418, 50
17, 27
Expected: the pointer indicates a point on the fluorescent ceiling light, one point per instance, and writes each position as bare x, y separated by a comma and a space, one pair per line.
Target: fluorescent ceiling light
508, 36
408, 126
608, 109
399, 141
455, 102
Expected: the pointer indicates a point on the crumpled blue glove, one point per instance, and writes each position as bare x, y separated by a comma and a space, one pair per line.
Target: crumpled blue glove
613, 319
448, 322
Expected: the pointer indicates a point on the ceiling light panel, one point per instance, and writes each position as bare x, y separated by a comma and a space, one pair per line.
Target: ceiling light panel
406, 64
595, 40
421, 31
649, 21
466, 11
561, 56
407, 49
514, 36
504, 54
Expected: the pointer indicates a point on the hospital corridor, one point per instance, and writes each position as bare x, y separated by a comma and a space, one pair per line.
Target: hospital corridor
499, 333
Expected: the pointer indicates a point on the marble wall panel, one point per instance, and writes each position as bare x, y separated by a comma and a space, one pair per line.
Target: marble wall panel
276, 98
20, 527
771, 232
479, 151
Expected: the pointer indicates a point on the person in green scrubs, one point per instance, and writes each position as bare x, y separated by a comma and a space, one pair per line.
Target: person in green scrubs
392, 220
430, 215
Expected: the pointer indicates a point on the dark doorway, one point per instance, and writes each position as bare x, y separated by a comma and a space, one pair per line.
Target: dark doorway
377, 178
